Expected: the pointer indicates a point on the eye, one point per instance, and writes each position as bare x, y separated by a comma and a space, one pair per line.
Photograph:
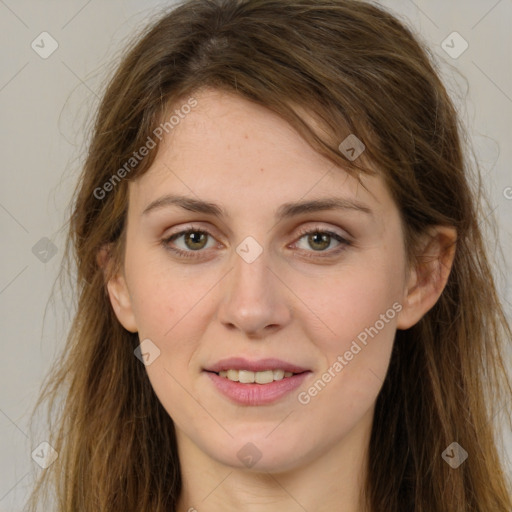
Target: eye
194, 239
320, 239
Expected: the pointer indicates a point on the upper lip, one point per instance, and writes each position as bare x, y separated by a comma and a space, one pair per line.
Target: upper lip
240, 363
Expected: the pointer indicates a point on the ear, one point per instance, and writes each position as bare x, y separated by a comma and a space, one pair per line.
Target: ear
117, 291
428, 279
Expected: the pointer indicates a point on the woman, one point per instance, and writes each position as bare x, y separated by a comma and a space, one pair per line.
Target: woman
284, 298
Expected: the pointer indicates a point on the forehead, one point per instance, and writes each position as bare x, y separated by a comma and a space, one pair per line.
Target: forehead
232, 151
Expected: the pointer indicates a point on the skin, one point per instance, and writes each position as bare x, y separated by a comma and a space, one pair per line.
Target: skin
303, 310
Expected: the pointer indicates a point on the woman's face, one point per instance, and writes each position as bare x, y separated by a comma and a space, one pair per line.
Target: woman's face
258, 288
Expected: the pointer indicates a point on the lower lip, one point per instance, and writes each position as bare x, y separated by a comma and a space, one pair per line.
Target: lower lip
257, 394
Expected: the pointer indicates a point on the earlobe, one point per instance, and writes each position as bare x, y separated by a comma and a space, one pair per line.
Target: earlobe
121, 302
428, 279
117, 290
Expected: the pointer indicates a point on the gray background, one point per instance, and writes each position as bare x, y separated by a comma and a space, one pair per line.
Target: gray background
45, 104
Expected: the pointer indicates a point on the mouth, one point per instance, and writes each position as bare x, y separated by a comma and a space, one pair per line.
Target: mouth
261, 371
250, 377
255, 382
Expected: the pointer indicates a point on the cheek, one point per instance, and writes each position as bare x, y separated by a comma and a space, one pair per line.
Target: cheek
352, 300
358, 311
356, 359
155, 306
162, 296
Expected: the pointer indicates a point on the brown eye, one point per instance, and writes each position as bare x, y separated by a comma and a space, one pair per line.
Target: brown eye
192, 241
195, 240
319, 241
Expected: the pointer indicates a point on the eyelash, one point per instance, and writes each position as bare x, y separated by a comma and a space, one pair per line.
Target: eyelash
317, 254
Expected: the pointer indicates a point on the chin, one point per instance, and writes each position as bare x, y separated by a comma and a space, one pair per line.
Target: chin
259, 454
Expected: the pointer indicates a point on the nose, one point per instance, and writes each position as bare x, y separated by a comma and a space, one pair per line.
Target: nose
254, 299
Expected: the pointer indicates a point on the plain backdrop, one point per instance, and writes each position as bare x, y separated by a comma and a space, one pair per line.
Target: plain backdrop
45, 105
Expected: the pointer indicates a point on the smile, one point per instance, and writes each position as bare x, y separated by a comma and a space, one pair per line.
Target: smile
255, 382
250, 377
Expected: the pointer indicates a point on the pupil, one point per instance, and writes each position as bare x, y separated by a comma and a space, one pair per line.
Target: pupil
323, 238
193, 235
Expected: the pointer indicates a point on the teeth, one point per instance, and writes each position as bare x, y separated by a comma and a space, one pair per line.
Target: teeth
279, 374
245, 376
248, 377
232, 375
264, 377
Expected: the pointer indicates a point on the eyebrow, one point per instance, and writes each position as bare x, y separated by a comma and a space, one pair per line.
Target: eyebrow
285, 211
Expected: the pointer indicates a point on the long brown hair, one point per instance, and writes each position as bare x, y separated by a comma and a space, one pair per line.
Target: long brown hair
356, 69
